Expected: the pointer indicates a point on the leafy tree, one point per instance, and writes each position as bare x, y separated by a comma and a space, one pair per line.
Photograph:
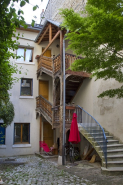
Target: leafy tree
9, 21
97, 35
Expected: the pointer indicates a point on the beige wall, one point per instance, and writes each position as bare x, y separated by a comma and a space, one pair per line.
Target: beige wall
84, 96
107, 111
24, 106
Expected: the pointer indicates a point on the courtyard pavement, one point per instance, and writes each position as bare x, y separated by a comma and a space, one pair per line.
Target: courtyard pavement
31, 170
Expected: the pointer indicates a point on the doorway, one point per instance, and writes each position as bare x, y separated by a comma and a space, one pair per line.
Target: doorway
44, 89
48, 134
47, 53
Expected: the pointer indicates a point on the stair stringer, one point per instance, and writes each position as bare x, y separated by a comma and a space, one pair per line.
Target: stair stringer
43, 113
93, 143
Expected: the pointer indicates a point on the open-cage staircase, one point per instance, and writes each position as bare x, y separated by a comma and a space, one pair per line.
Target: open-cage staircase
108, 148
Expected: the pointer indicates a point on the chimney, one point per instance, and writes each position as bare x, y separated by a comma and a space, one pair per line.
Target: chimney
41, 16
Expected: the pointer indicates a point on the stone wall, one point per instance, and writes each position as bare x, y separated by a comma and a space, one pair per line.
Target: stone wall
53, 6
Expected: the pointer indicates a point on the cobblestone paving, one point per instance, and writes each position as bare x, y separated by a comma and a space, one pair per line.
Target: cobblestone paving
38, 171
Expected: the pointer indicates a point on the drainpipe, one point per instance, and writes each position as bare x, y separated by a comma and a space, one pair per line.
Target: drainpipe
64, 85
64, 103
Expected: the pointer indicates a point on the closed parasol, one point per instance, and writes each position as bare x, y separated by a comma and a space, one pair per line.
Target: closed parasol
74, 136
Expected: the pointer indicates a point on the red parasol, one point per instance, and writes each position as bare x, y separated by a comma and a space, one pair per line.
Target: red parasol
74, 136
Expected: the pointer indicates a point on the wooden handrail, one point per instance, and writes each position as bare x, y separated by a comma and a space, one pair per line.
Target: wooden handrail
69, 59
45, 62
54, 65
44, 105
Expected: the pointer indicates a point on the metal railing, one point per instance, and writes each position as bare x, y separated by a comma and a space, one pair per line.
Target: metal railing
89, 123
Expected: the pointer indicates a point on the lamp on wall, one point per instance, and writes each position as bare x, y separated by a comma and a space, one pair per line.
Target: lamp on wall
57, 45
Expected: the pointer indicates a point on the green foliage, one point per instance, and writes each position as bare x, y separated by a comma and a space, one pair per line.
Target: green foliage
97, 35
9, 21
6, 112
35, 7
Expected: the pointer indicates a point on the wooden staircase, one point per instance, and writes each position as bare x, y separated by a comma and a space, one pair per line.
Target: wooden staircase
51, 114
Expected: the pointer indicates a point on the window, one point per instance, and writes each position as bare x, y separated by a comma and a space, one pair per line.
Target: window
25, 53
26, 87
21, 133
2, 134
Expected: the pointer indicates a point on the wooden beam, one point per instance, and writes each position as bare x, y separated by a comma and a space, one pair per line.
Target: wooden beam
50, 33
61, 49
55, 37
88, 154
43, 34
40, 132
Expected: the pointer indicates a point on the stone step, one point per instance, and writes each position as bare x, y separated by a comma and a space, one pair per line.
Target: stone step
98, 134
113, 146
114, 158
109, 142
113, 152
101, 138
112, 171
114, 164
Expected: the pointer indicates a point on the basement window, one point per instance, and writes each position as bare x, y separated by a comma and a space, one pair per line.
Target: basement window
26, 54
21, 133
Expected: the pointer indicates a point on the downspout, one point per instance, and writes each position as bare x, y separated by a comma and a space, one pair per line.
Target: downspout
64, 93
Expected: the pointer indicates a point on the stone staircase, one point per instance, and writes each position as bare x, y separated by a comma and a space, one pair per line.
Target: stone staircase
114, 151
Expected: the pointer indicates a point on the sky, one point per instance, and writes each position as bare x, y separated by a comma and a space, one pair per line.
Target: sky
28, 10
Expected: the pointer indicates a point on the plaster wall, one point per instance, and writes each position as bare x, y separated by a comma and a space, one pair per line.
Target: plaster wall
25, 105
107, 111
84, 97
55, 50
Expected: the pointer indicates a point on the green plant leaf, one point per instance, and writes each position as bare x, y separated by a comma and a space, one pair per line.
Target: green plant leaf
22, 3
35, 7
33, 23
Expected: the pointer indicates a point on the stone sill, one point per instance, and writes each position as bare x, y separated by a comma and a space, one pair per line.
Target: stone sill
28, 63
26, 97
21, 146
2, 146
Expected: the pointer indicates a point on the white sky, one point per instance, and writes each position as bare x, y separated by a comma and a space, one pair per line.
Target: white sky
28, 10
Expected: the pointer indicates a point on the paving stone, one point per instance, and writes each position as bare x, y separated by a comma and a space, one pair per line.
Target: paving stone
39, 171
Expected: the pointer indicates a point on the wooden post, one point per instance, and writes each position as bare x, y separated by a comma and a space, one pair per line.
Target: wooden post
50, 33
40, 134
54, 98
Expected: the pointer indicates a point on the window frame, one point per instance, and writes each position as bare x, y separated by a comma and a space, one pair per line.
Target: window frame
21, 134
30, 87
5, 135
25, 47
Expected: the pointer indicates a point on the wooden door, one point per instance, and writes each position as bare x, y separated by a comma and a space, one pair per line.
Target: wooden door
48, 134
47, 53
44, 89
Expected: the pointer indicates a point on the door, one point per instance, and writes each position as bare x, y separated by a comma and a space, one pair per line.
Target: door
47, 53
48, 134
44, 89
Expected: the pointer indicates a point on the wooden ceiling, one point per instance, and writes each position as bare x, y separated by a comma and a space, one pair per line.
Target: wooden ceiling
48, 32
73, 84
